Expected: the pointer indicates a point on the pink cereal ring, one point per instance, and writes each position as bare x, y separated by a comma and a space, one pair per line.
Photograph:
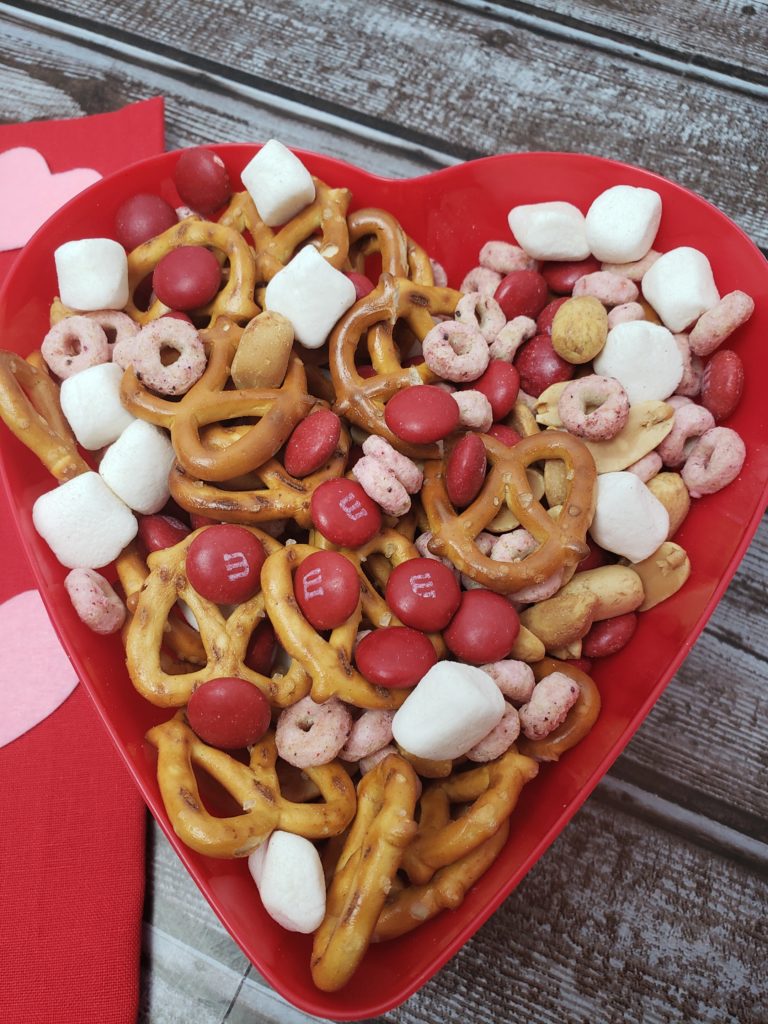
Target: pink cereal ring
422, 546
456, 352
74, 344
503, 257
718, 323
678, 401
475, 411
715, 460
371, 732
94, 600
499, 739
481, 311
142, 352
552, 699
647, 467
382, 485
481, 279
625, 313
310, 734
438, 274
515, 679
635, 270
693, 369
405, 469
690, 421
116, 325
603, 422
515, 546
511, 337
484, 542
610, 289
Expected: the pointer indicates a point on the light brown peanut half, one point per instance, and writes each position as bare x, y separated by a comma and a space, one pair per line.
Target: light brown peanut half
647, 426
663, 573
671, 491
261, 359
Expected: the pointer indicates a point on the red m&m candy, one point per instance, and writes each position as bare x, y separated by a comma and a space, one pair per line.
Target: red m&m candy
483, 629
327, 589
312, 443
142, 217
202, 180
262, 648
224, 564
229, 713
395, 657
187, 277
465, 470
344, 514
422, 414
500, 384
423, 593
157, 532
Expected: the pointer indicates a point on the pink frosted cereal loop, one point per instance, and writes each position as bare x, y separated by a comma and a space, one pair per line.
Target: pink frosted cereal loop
144, 352
511, 337
514, 678
718, 323
714, 462
95, 601
624, 313
485, 542
552, 699
438, 273
475, 411
482, 312
647, 467
310, 734
405, 469
693, 369
421, 543
369, 733
503, 257
690, 421
515, 546
367, 764
678, 401
456, 352
499, 739
117, 326
382, 485
635, 270
610, 289
481, 279
74, 344
608, 402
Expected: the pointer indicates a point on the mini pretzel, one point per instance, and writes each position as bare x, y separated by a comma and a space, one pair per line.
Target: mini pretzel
561, 538
369, 861
579, 721
29, 405
376, 231
225, 640
374, 317
254, 786
493, 788
208, 401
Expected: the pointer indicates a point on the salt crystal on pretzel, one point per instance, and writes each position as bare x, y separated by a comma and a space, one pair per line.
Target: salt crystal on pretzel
278, 182
137, 465
622, 223
629, 519
92, 274
289, 876
311, 294
680, 286
550, 231
91, 403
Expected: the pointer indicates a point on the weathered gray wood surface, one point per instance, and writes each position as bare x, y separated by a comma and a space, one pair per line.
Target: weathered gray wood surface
651, 905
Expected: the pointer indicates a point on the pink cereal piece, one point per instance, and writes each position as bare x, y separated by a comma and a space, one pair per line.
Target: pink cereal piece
74, 344
422, 546
690, 421
514, 547
475, 411
142, 352
624, 313
405, 469
310, 734
456, 352
718, 323
693, 369
515, 679
678, 401
382, 485
503, 257
714, 462
371, 732
95, 601
439, 274
552, 699
481, 279
603, 422
635, 270
511, 337
484, 542
610, 289
367, 764
116, 325
481, 311
647, 467
499, 739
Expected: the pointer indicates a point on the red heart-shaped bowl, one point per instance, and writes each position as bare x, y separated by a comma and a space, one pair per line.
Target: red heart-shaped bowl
451, 213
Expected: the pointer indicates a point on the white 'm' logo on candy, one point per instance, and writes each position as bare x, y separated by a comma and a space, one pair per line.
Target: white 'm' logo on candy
313, 584
352, 507
236, 565
423, 584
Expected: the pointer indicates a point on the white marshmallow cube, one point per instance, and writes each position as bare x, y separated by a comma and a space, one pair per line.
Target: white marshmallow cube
622, 223
450, 710
680, 286
289, 876
84, 523
629, 519
311, 294
90, 400
92, 274
644, 358
137, 465
550, 231
278, 182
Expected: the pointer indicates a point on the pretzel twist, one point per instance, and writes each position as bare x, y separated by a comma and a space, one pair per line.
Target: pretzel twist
579, 720
369, 860
375, 231
562, 538
255, 787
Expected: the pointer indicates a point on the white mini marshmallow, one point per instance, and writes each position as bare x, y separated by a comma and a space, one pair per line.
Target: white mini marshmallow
92, 273
622, 223
137, 466
450, 710
84, 523
289, 876
550, 231
91, 402
311, 294
680, 286
644, 358
629, 519
278, 182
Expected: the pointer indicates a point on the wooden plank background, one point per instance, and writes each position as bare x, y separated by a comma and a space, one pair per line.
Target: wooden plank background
651, 906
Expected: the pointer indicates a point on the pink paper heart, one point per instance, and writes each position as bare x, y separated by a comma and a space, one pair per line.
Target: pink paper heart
30, 193
36, 676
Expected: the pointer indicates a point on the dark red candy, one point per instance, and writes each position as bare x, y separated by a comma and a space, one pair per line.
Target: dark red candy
465, 470
202, 180
500, 384
363, 285
596, 558
722, 383
539, 365
422, 414
562, 276
229, 713
344, 514
224, 564
609, 636
197, 520
395, 657
158, 532
365, 370
423, 593
176, 314
505, 434
327, 589
187, 277
582, 664
142, 217
547, 315
522, 293
262, 648
483, 629
312, 443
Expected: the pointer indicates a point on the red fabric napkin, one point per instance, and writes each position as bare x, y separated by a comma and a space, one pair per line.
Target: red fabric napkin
72, 834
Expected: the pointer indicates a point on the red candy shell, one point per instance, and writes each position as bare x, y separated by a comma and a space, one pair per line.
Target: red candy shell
422, 414
344, 514
395, 657
423, 593
483, 629
312, 443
